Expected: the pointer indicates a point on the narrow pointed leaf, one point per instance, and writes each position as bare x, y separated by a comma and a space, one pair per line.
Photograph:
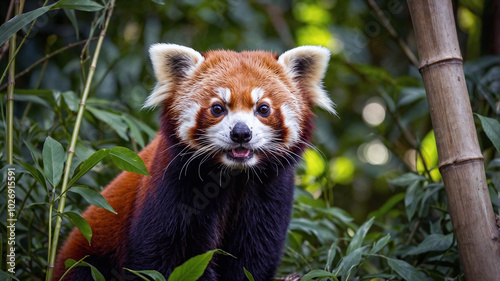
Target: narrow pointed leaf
81, 5
150, 273
248, 275
405, 270
88, 164
491, 128
93, 197
127, 160
81, 224
35, 173
359, 236
53, 160
16, 23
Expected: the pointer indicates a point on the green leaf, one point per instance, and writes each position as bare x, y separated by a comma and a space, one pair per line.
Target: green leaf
96, 275
151, 273
88, 164
71, 100
491, 128
127, 160
380, 244
81, 223
33, 99
135, 133
411, 199
349, 262
35, 173
407, 179
317, 273
193, 268
81, 5
6, 276
433, 243
248, 274
74, 22
359, 236
113, 120
53, 160
405, 270
331, 255
93, 197
10, 28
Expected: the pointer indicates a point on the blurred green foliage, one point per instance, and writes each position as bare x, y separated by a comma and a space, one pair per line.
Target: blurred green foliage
361, 168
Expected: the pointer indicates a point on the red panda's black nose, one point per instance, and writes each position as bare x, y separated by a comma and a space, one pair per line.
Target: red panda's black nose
241, 133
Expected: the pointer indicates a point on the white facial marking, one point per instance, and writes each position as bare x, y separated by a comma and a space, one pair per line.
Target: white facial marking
292, 123
187, 120
257, 94
224, 94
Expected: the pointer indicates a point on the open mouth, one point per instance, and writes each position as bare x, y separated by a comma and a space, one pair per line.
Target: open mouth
240, 154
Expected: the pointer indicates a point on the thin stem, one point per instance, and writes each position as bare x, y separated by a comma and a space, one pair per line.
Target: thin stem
74, 138
392, 32
46, 58
9, 143
24, 39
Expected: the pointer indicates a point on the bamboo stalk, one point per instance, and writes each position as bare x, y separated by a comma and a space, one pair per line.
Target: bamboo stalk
71, 149
9, 142
460, 160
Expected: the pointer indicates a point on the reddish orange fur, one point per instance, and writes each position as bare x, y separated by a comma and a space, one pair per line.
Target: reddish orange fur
108, 229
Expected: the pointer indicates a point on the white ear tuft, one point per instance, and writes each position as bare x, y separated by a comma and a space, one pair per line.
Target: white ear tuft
307, 66
170, 64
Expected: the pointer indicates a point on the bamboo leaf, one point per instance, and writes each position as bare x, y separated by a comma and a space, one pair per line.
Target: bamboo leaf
10, 28
127, 160
248, 275
359, 236
6, 276
380, 244
88, 164
349, 262
193, 268
81, 5
405, 270
331, 255
53, 160
491, 128
151, 273
81, 224
71, 100
113, 120
406, 179
318, 274
72, 18
411, 200
93, 197
35, 173
433, 243
135, 133
96, 275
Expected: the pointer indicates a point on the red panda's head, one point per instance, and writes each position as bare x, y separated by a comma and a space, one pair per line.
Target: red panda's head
240, 108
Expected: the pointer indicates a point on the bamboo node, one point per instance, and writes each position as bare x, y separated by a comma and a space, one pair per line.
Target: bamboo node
426, 64
460, 161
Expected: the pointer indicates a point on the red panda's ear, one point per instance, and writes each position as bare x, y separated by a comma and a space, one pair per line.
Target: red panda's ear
307, 66
171, 63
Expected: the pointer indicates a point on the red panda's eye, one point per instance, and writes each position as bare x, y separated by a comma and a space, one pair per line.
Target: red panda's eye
264, 110
217, 110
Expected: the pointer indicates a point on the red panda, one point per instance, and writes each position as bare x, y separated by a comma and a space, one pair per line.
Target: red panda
233, 125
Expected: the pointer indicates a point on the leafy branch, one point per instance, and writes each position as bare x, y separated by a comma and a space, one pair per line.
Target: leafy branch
71, 150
